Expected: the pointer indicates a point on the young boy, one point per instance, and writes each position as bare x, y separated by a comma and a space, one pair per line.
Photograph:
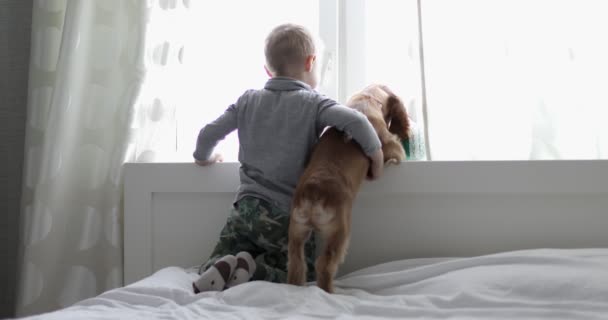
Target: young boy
278, 126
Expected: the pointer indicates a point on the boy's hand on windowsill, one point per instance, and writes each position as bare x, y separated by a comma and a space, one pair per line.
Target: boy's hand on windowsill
213, 159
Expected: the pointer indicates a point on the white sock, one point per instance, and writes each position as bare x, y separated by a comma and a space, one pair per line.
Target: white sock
216, 277
245, 267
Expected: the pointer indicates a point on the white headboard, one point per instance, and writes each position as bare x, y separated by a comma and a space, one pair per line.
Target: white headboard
174, 211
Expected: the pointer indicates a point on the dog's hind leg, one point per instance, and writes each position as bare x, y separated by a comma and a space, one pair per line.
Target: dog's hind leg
299, 232
336, 236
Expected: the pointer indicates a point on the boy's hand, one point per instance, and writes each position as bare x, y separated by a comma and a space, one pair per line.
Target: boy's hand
213, 159
376, 166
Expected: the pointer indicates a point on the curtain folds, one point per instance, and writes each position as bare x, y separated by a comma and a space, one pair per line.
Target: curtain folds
87, 70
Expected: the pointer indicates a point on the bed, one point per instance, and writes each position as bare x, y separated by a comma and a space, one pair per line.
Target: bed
434, 240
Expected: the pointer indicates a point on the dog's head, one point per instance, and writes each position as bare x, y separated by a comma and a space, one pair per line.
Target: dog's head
378, 100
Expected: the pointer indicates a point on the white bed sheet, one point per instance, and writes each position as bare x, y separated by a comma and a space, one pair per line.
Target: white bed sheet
530, 284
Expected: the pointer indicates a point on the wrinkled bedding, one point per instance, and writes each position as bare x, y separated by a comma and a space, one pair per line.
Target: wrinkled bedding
530, 284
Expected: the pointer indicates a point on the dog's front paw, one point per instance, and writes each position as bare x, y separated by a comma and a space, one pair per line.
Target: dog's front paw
393, 152
391, 161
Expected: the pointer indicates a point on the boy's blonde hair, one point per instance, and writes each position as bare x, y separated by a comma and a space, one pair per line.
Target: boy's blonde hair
287, 46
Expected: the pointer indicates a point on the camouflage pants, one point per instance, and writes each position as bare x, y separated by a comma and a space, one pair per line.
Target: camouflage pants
261, 229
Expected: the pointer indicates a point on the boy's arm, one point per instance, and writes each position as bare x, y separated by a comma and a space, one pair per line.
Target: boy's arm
212, 133
351, 122
356, 125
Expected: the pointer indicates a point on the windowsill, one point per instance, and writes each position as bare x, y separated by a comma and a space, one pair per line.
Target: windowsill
546, 176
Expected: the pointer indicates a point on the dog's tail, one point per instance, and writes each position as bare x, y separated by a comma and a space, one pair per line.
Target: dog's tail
301, 212
313, 214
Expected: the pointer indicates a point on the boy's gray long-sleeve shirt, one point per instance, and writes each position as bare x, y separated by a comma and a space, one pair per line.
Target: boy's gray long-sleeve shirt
278, 126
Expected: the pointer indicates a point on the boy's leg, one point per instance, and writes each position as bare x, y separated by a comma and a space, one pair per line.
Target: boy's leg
232, 240
269, 232
310, 255
218, 270
260, 229
272, 266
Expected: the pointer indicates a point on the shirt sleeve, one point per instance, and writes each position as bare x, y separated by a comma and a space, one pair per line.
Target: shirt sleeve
349, 121
214, 132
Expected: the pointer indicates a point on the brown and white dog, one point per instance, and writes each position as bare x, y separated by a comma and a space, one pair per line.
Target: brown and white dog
326, 190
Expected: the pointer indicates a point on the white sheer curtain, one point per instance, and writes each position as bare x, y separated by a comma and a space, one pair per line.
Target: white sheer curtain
114, 81
91, 107
516, 79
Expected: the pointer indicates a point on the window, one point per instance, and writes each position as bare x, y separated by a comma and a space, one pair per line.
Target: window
503, 79
225, 57
382, 47
514, 79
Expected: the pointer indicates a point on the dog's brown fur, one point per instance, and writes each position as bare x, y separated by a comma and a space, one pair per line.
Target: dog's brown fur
326, 190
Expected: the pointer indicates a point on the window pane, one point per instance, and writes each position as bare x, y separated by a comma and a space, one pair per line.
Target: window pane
224, 56
391, 48
391, 51
515, 79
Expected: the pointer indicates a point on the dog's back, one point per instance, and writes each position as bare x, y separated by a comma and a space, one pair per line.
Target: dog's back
334, 173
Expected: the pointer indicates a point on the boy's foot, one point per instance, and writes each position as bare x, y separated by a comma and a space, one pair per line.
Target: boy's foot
245, 267
216, 277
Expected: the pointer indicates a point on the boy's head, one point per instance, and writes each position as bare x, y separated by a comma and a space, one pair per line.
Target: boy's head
291, 52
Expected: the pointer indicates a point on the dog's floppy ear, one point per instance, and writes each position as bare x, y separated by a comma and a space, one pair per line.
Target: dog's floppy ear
400, 123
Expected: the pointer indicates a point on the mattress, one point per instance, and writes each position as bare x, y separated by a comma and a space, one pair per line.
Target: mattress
529, 284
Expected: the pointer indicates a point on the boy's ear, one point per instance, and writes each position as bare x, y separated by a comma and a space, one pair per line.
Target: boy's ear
310, 63
268, 72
